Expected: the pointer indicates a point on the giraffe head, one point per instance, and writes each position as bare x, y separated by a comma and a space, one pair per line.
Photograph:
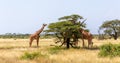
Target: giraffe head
44, 24
81, 30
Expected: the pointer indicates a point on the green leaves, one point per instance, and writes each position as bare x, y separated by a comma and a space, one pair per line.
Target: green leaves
111, 28
67, 24
109, 50
74, 17
111, 24
59, 26
31, 56
67, 27
62, 26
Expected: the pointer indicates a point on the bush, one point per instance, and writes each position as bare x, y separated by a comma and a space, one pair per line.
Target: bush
110, 50
31, 56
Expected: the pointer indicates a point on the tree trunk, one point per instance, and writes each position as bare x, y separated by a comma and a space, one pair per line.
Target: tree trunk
115, 36
68, 43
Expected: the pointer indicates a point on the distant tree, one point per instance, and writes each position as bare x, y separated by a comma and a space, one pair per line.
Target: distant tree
112, 28
14, 35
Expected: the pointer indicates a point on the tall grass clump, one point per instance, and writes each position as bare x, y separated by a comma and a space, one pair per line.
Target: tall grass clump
55, 50
33, 55
109, 50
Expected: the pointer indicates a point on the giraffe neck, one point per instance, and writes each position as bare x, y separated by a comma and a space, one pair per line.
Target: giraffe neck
40, 30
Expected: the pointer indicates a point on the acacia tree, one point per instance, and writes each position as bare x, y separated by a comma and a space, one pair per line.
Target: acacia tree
66, 27
112, 28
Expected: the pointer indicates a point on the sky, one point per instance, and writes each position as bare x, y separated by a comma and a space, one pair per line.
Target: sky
27, 16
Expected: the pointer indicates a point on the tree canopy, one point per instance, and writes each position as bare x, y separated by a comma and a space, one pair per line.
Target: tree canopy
67, 26
111, 28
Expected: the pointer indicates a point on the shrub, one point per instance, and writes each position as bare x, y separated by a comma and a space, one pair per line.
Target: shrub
31, 56
110, 50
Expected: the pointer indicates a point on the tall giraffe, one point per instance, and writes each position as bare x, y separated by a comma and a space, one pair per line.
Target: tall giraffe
36, 35
88, 36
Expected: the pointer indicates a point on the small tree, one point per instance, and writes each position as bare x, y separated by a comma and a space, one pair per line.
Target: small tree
67, 27
112, 28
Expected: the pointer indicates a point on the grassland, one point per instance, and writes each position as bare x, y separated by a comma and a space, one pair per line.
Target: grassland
11, 51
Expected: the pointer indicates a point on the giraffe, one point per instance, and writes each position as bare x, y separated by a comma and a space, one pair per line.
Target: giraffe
36, 35
88, 36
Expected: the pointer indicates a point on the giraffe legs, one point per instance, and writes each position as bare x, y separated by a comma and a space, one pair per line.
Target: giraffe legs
83, 44
37, 41
90, 43
31, 40
83, 41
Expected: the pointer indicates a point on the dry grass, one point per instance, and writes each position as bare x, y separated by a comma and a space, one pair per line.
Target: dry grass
11, 51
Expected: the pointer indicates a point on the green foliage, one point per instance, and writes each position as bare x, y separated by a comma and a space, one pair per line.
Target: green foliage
111, 24
111, 28
73, 17
65, 23
32, 55
109, 50
67, 27
64, 26
14, 36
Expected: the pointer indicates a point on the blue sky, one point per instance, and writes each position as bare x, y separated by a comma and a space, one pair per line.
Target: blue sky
27, 16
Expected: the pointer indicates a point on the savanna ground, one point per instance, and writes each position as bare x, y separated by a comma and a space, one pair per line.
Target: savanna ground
11, 51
